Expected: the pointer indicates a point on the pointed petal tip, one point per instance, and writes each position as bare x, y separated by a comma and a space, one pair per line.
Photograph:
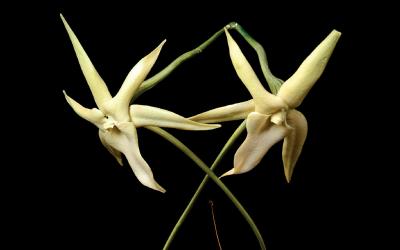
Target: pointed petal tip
288, 173
334, 36
199, 126
66, 96
69, 99
212, 126
230, 172
155, 186
288, 178
236, 111
196, 126
159, 188
336, 32
159, 47
158, 50
64, 21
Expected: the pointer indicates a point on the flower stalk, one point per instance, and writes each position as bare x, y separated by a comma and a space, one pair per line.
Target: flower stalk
154, 80
213, 177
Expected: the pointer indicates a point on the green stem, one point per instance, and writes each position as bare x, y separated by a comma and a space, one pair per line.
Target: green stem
273, 82
211, 174
217, 160
154, 80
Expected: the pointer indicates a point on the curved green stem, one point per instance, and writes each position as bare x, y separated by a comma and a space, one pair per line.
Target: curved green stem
211, 174
217, 160
273, 82
154, 80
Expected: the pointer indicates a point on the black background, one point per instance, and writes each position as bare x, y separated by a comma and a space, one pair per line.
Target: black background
67, 191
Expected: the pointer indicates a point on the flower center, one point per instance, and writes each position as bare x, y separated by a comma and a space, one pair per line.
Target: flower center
109, 122
279, 117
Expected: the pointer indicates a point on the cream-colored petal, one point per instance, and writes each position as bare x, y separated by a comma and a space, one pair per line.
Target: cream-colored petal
96, 84
265, 102
294, 141
143, 115
132, 82
295, 89
124, 139
261, 136
93, 115
231, 112
113, 151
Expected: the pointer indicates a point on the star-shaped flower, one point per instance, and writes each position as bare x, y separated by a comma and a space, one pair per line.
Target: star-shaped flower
117, 120
271, 118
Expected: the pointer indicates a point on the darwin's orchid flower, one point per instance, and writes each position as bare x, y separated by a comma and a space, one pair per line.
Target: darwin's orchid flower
271, 118
117, 120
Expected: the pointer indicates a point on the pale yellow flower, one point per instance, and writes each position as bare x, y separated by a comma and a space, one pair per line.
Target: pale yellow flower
271, 118
117, 120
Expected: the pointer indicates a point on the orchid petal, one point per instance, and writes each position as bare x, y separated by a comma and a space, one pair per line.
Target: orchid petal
113, 151
96, 84
120, 103
231, 112
261, 136
265, 102
295, 89
93, 115
294, 141
143, 115
124, 139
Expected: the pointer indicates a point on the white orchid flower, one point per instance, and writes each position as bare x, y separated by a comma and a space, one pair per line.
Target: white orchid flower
271, 118
117, 120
